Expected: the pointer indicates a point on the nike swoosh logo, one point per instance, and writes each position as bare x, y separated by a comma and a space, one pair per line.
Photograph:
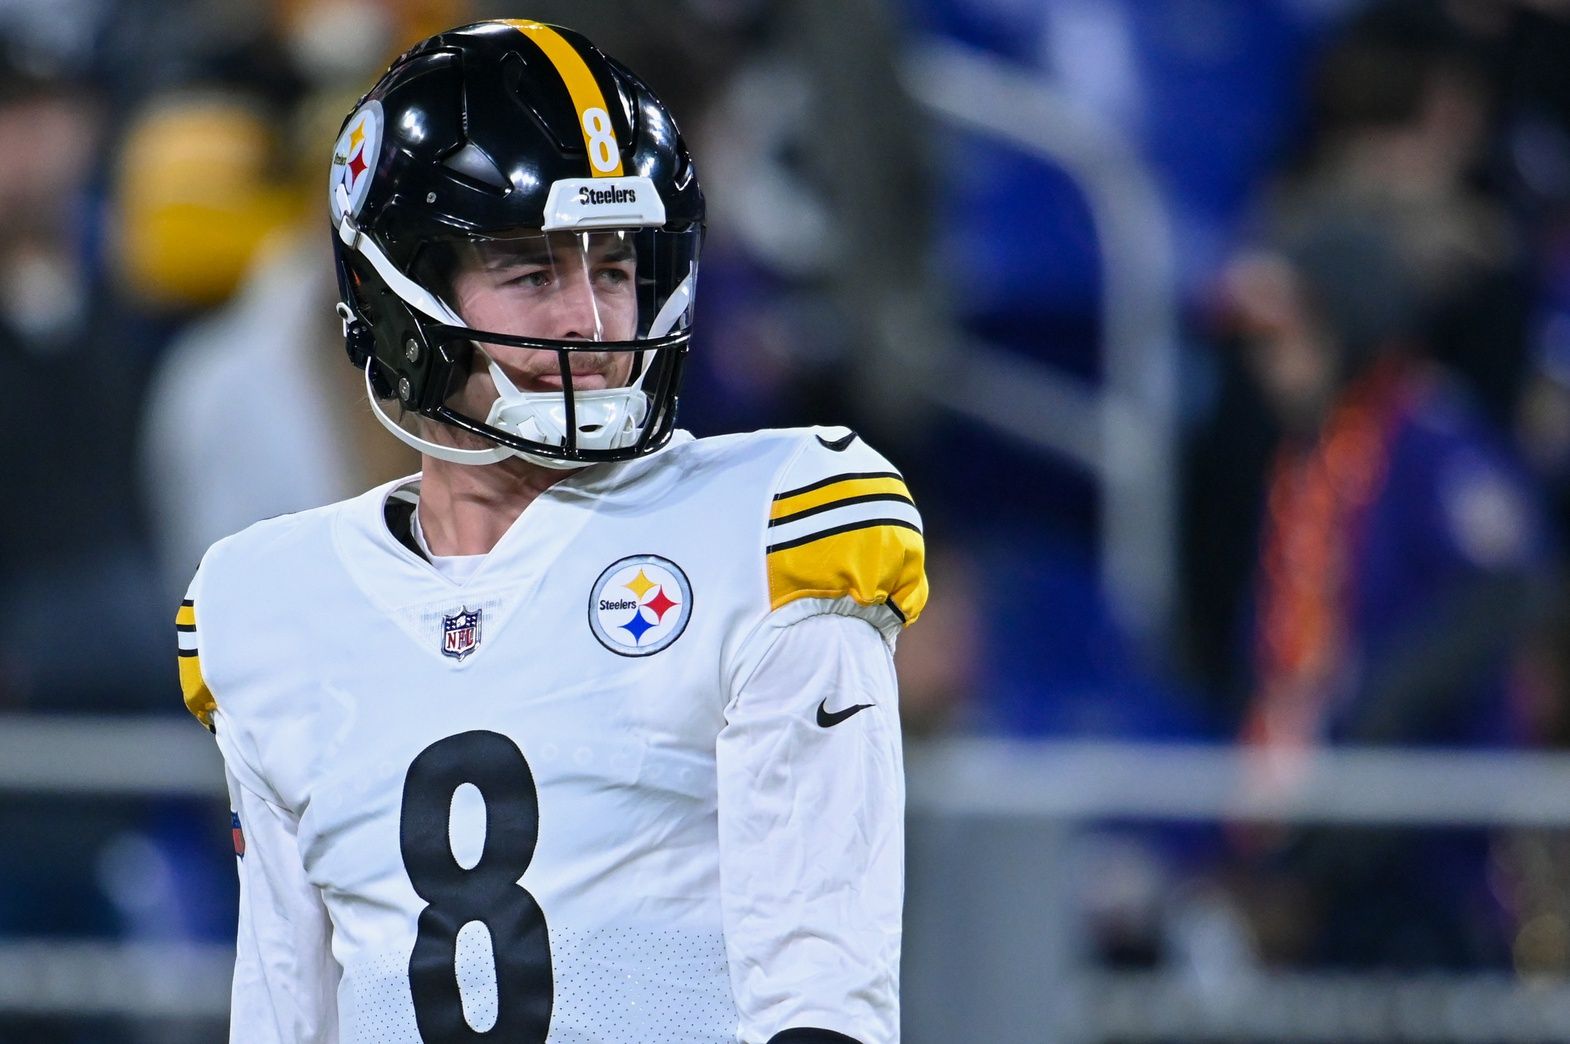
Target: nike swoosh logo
838, 445
828, 721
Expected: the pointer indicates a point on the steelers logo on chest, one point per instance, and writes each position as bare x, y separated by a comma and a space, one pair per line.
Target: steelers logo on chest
640, 605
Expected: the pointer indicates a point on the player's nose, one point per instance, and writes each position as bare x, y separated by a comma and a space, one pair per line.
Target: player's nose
577, 311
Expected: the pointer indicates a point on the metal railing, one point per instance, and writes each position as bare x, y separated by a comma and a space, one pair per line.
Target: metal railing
1125, 433
991, 945
996, 937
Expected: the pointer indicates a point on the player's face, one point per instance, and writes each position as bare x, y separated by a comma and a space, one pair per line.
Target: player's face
563, 286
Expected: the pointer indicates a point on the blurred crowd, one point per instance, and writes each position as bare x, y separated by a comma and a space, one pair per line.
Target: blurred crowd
1369, 210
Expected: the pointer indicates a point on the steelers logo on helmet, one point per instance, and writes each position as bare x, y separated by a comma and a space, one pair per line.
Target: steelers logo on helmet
640, 605
354, 159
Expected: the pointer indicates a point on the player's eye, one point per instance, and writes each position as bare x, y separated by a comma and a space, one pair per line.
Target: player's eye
533, 278
613, 275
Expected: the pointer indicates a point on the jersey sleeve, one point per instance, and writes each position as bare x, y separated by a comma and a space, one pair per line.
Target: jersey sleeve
811, 831
285, 977
843, 529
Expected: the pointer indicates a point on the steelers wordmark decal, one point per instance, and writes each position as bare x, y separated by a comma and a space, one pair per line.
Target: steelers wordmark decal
354, 158
640, 605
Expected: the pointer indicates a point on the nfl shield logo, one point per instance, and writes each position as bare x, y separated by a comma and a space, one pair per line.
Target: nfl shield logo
460, 633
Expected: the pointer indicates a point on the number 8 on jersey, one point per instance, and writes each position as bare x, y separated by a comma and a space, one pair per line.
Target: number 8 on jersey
488, 892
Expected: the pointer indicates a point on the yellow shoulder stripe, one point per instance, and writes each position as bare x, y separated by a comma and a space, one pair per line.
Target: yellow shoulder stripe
586, 94
198, 697
880, 562
847, 488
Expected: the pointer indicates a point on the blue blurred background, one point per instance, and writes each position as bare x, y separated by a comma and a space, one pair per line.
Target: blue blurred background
1224, 343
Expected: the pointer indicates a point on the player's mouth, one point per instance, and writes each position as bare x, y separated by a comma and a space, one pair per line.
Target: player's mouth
589, 373
588, 381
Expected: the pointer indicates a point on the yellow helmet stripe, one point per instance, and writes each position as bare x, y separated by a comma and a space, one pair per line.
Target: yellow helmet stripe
599, 138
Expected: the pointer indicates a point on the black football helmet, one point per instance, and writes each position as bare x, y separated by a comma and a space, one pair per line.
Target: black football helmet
519, 151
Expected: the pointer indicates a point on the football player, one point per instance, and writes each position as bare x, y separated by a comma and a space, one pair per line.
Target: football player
588, 732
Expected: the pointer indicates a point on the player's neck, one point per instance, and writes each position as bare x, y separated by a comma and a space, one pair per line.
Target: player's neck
464, 510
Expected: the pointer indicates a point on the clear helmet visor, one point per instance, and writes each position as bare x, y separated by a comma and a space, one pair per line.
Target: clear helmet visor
567, 286
568, 344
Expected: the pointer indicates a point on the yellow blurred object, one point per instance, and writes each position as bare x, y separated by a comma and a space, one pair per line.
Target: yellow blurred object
196, 200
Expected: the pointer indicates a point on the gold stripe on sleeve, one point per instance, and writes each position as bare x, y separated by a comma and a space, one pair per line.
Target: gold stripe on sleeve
881, 562
846, 487
198, 698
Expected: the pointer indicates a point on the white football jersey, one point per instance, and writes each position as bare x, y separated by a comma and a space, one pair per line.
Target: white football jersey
635, 779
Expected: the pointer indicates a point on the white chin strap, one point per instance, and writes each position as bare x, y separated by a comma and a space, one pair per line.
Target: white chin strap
606, 418
435, 449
